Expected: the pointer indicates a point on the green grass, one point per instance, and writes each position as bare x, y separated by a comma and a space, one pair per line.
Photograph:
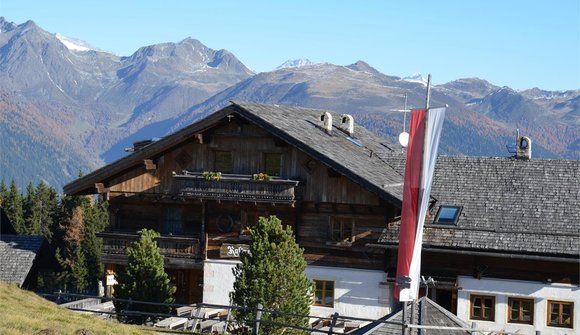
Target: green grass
25, 313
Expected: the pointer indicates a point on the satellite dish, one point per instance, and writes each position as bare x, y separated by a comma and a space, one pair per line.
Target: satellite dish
404, 139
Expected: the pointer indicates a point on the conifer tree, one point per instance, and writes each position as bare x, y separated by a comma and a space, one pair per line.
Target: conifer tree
272, 274
143, 279
12, 204
96, 219
31, 209
3, 192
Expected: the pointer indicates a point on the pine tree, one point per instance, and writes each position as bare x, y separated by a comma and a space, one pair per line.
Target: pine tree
31, 210
144, 279
12, 204
272, 274
70, 254
95, 221
3, 193
46, 199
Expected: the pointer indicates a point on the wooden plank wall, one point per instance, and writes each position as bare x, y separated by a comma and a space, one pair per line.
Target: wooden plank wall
248, 144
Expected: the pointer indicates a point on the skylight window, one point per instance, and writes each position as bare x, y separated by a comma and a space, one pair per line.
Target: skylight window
447, 215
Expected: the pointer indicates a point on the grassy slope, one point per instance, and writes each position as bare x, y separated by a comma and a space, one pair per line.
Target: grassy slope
23, 312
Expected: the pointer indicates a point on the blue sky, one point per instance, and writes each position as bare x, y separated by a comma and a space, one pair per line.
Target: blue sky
521, 44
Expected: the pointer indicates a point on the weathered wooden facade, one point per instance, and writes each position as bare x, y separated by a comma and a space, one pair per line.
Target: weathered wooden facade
200, 188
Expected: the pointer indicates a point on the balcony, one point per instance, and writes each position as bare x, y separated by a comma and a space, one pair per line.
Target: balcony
177, 250
234, 187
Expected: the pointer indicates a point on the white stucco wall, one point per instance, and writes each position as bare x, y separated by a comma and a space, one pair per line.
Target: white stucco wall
502, 289
218, 281
357, 292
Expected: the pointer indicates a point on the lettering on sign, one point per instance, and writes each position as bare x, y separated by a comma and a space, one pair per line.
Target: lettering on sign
228, 250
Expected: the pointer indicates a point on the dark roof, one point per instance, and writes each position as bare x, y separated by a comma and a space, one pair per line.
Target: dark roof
17, 255
300, 127
433, 315
365, 164
6, 226
508, 205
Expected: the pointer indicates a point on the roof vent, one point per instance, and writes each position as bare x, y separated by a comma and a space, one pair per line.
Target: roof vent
327, 119
524, 148
347, 123
139, 145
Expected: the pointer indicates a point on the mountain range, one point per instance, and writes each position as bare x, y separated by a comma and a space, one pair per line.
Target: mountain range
66, 107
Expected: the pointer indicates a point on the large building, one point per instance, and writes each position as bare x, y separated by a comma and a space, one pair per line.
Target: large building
501, 241
330, 182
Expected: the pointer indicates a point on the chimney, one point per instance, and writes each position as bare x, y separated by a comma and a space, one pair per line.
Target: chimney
326, 118
139, 145
347, 123
524, 148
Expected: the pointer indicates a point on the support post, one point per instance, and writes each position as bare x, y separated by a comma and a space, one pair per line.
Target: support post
257, 320
333, 323
403, 320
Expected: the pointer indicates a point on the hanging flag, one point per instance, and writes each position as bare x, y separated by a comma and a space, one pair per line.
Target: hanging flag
424, 134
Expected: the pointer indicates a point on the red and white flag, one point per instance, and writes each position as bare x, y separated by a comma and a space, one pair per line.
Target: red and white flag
424, 134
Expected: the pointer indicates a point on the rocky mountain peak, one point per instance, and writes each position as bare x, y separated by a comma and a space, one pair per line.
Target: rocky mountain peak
6, 26
293, 63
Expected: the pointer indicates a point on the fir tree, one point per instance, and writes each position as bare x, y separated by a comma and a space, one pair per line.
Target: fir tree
3, 192
12, 204
31, 210
144, 279
272, 274
46, 199
95, 221
70, 255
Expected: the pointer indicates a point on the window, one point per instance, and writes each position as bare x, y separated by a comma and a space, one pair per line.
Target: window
447, 215
223, 162
560, 314
173, 221
482, 307
273, 164
521, 310
324, 293
341, 229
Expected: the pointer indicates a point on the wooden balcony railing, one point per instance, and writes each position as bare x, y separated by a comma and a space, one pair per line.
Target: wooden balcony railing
169, 246
235, 188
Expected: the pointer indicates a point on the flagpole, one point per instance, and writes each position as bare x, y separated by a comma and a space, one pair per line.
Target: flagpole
421, 190
428, 92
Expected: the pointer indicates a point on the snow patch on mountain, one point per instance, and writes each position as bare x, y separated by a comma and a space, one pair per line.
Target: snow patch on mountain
295, 63
416, 78
74, 44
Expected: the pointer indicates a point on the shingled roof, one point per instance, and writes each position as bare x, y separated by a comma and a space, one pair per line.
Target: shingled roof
363, 157
508, 205
17, 256
433, 315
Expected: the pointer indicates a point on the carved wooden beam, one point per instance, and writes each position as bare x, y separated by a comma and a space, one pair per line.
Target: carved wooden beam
100, 187
199, 138
149, 165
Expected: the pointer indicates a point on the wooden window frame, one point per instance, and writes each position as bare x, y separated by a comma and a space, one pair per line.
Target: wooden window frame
215, 162
560, 324
331, 229
520, 310
280, 166
482, 297
323, 297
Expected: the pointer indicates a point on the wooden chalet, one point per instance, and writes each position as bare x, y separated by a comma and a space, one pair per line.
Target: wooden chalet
502, 242
202, 186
